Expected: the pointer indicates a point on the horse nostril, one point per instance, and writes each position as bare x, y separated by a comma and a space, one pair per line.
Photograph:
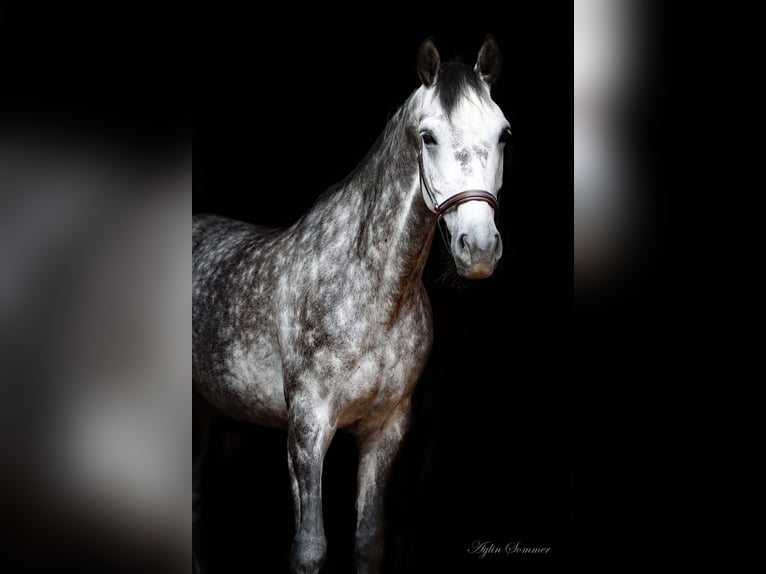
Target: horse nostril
463, 241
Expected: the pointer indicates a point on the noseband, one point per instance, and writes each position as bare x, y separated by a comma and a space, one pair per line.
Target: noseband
453, 201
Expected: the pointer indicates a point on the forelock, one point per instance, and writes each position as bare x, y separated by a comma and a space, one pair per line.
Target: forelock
455, 81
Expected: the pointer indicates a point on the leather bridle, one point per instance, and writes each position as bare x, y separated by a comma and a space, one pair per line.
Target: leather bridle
454, 200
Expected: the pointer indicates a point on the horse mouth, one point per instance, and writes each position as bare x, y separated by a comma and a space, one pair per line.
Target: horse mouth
476, 270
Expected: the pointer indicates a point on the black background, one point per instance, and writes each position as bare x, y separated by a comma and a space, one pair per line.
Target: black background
288, 110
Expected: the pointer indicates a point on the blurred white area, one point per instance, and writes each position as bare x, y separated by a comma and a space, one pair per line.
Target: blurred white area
609, 211
95, 323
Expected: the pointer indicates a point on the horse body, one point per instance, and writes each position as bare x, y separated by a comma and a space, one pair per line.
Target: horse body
323, 308
326, 325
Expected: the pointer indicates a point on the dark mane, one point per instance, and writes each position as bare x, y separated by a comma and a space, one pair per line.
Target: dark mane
454, 80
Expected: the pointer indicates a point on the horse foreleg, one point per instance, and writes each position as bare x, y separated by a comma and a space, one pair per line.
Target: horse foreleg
376, 455
295, 491
308, 436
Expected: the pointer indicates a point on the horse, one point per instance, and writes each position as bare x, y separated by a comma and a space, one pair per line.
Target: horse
326, 325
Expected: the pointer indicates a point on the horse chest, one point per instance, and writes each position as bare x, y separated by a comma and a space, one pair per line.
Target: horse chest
360, 364
381, 376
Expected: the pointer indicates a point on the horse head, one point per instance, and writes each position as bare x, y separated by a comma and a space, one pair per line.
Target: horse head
462, 135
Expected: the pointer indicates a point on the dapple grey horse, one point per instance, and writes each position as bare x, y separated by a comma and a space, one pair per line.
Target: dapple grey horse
326, 325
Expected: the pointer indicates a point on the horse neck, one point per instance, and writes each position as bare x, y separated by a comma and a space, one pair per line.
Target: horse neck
399, 227
387, 228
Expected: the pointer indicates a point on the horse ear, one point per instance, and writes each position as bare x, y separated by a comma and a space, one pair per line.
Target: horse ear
488, 62
428, 62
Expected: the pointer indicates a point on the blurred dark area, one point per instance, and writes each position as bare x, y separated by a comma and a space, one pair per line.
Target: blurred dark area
115, 77
488, 456
95, 192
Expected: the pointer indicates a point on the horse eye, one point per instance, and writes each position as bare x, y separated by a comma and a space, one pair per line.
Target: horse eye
505, 137
428, 139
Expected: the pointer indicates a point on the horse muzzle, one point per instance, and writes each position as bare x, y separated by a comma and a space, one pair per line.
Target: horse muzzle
477, 251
